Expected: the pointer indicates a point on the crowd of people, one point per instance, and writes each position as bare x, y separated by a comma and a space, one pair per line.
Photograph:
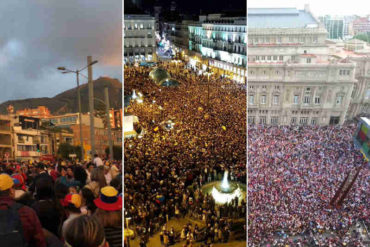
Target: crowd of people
62, 203
293, 174
166, 167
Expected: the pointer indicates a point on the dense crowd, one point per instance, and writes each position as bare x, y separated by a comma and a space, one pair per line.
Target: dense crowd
165, 168
62, 203
293, 174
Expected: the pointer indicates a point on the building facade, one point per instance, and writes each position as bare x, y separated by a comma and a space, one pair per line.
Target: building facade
39, 112
220, 44
335, 26
6, 138
139, 38
292, 78
361, 25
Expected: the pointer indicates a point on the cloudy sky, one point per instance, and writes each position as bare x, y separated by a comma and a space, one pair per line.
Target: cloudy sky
318, 7
37, 36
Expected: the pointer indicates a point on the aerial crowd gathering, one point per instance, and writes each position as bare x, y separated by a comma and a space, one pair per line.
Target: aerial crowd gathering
61, 203
293, 174
166, 168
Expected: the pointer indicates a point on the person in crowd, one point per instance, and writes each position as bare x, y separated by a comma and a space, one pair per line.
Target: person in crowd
294, 172
55, 200
72, 204
85, 231
98, 180
109, 214
97, 161
16, 219
47, 207
166, 165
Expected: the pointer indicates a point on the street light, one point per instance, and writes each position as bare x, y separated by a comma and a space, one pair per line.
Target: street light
77, 72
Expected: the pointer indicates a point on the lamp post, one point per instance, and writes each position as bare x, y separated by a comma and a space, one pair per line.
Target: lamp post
77, 72
107, 119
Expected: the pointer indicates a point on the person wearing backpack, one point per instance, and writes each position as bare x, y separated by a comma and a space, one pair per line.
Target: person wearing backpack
19, 224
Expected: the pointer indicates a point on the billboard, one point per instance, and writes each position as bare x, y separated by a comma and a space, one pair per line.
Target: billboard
362, 137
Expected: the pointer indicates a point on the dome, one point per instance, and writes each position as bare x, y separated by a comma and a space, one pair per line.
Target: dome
169, 83
159, 74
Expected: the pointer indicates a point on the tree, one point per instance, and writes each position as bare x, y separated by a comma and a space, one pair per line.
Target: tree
65, 149
363, 36
117, 152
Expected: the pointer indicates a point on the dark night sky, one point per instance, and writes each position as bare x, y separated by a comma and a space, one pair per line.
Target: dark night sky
194, 6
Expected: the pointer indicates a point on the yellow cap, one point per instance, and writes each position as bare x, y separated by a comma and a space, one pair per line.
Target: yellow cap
109, 191
6, 182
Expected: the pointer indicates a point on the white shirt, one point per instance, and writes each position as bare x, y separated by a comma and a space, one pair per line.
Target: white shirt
98, 161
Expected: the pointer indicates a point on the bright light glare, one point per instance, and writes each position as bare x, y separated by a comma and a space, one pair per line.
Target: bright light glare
225, 183
223, 198
134, 96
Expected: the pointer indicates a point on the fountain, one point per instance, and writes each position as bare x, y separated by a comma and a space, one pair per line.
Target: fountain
225, 191
134, 96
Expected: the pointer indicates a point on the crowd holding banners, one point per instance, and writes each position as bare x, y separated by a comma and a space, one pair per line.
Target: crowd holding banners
293, 174
46, 199
165, 168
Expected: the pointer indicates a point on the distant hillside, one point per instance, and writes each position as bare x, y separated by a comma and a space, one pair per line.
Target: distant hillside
67, 102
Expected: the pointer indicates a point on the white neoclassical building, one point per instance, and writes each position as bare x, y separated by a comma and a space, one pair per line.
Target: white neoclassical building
139, 38
292, 77
221, 42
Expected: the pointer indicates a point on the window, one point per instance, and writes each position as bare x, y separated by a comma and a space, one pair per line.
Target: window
313, 121
317, 100
251, 99
367, 94
303, 120
295, 99
339, 100
262, 119
293, 120
343, 72
276, 99
251, 120
274, 120
306, 100
263, 99
281, 58
309, 60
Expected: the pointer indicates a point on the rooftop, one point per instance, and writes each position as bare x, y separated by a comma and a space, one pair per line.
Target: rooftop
280, 18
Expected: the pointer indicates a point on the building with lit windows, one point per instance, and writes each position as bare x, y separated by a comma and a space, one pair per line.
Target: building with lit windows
292, 77
139, 38
219, 42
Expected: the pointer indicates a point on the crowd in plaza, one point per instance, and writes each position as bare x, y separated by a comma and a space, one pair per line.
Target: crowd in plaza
165, 168
62, 203
293, 174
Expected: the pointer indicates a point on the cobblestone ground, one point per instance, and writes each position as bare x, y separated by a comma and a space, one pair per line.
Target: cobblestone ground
177, 225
